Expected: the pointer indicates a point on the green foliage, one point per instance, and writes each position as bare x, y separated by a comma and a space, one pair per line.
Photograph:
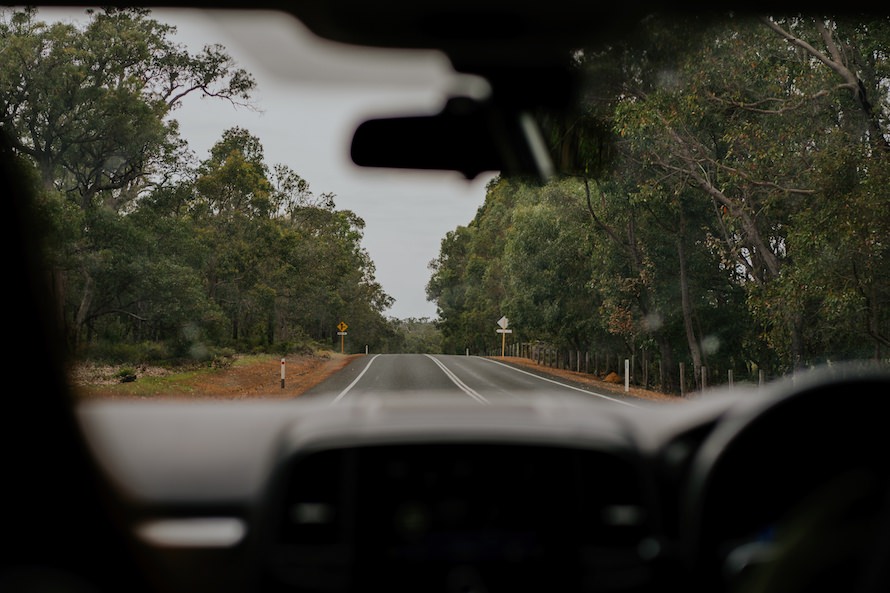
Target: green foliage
114, 352
90, 106
144, 247
734, 217
525, 255
547, 263
125, 373
416, 336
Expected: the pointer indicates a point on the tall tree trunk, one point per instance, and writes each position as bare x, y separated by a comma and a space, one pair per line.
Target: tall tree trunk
671, 382
57, 285
86, 302
691, 338
796, 328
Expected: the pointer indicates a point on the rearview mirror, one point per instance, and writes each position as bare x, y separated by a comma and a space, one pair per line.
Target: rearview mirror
467, 136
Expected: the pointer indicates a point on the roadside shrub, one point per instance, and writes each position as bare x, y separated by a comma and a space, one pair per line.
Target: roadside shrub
222, 358
306, 347
123, 353
125, 374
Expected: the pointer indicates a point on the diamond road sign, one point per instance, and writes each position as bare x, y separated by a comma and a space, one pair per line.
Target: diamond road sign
503, 322
342, 326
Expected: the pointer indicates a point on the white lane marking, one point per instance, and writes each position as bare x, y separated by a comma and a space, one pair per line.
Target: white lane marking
354, 381
611, 399
454, 379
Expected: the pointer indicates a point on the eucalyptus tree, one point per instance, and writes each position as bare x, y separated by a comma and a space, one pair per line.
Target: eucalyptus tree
447, 288
548, 263
741, 120
468, 280
91, 107
232, 210
842, 253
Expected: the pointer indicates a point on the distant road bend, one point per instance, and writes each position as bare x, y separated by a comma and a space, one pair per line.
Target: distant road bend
484, 380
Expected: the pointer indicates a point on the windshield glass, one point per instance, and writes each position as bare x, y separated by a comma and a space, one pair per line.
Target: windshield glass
718, 216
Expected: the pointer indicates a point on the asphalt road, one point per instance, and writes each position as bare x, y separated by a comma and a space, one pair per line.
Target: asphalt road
483, 380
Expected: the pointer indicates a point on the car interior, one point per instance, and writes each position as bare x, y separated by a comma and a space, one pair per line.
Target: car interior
775, 489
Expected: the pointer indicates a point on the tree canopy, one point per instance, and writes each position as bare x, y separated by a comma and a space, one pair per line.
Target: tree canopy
149, 246
723, 202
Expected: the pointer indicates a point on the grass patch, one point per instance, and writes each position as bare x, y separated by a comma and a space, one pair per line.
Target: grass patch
182, 382
109, 381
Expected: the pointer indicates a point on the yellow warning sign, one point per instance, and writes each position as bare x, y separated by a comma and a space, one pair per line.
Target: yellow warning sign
342, 326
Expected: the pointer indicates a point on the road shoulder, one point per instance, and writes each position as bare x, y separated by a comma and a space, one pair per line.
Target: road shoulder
585, 380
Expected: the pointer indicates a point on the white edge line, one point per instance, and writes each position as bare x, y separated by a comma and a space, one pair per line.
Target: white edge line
567, 386
354, 381
454, 379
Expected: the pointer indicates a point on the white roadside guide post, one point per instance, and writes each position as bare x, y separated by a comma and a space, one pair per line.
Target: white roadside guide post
282, 373
504, 322
626, 375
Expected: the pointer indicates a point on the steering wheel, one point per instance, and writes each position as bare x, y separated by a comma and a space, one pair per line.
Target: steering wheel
790, 494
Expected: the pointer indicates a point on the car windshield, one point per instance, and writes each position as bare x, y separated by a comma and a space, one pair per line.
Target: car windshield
716, 214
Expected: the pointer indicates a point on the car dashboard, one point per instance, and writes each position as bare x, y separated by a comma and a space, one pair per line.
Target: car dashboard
303, 496
421, 494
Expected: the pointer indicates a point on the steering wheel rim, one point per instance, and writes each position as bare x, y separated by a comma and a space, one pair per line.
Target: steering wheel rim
736, 448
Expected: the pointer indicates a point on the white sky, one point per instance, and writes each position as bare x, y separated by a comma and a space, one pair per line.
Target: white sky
306, 127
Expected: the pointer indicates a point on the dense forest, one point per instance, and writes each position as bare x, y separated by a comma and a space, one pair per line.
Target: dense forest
150, 252
722, 203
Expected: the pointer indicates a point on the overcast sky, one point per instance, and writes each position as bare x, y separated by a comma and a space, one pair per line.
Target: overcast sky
302, 124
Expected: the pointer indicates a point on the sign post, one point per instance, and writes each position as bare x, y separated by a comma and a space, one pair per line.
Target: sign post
342, 333
503, 322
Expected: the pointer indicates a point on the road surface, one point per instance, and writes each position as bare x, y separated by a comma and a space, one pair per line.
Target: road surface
484, 380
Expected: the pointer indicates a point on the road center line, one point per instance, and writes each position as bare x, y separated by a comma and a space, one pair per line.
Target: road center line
354, 381
567, 386
454, 379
